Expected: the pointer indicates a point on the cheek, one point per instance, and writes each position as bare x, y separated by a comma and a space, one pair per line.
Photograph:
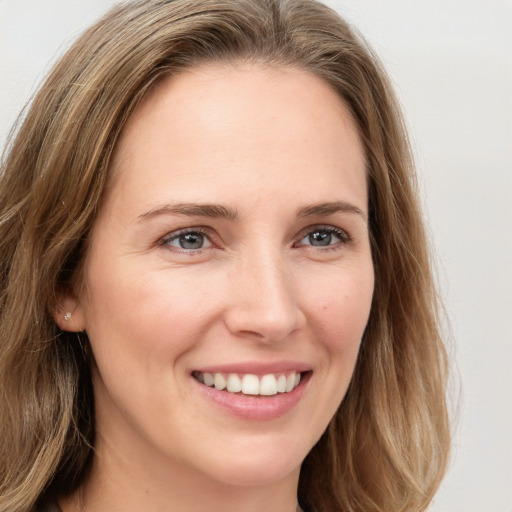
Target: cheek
140, 327
341, 308
145, 317
339, 315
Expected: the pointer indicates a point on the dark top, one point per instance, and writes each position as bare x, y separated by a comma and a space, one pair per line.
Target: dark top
49, 507
53, 507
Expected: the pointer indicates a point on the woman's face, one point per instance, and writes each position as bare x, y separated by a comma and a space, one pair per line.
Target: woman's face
231, 247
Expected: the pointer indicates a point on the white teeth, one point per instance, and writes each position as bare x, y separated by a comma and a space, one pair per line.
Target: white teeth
268, 385
290, 382
234, 383
250, 384
281, 384
219, 381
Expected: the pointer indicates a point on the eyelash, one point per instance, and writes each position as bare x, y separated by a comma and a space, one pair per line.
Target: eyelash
343, 238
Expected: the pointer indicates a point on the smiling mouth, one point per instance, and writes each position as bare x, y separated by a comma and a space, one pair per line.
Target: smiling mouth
251, 384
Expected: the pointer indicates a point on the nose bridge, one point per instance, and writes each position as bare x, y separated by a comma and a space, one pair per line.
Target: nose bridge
266, 302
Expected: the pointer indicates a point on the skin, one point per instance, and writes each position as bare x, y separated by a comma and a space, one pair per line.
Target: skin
265, 143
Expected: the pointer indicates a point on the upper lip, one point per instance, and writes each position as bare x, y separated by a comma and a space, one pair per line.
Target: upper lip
256, 367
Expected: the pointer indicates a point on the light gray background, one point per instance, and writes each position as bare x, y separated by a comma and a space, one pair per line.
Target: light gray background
451, 61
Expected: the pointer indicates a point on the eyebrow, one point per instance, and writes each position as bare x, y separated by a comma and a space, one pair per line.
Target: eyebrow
219, 211
330, 209
192, 210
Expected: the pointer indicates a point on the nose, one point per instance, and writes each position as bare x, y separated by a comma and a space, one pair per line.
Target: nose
264, 301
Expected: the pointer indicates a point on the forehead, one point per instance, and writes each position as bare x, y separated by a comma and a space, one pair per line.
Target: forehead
245, 123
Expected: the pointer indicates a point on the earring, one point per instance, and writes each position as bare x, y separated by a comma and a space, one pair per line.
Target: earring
67, 316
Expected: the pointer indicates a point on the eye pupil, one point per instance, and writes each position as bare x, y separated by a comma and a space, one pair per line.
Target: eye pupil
320, 238
191, 241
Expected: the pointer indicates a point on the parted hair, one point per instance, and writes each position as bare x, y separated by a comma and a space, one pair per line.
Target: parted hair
386, 448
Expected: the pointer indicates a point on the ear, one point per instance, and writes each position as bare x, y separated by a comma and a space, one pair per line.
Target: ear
68, 314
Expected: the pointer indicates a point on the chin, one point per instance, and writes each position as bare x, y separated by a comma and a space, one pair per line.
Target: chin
247, 474
255, 466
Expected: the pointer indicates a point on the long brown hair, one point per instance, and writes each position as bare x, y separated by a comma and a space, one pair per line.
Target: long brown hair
386, 448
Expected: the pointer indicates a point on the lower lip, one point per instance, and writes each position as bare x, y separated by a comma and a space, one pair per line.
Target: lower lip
258, 407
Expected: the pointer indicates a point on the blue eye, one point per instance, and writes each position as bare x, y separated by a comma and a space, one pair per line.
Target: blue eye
324, 237
188, 241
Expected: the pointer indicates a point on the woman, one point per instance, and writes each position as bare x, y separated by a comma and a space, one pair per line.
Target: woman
215, 286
